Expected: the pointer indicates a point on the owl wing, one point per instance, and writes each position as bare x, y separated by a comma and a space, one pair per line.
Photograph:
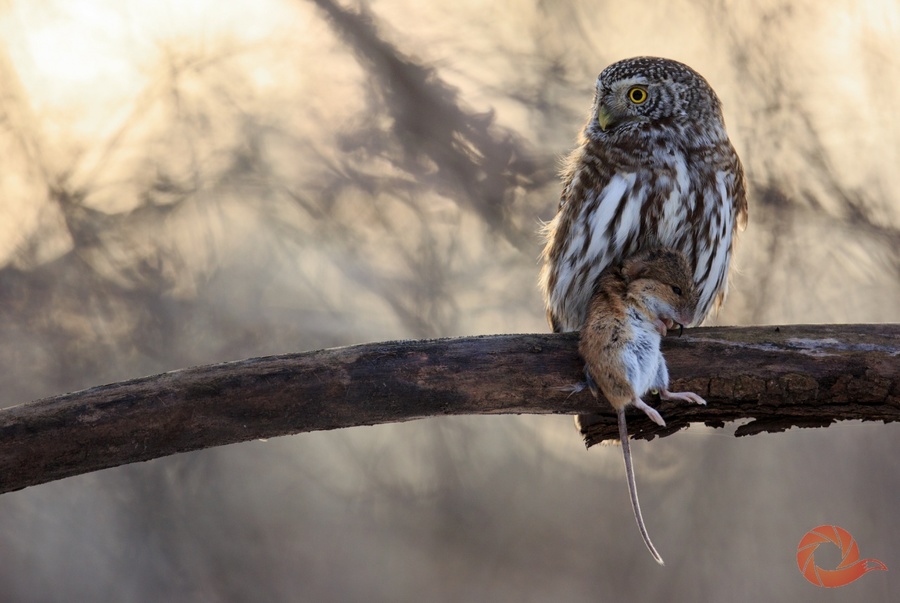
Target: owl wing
598, 223
740, 215
739, 196
725, 200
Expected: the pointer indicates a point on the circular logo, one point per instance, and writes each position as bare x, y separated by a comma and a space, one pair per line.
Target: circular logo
851, 567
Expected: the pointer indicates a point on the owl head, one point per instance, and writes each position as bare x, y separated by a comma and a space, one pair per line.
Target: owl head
643, 92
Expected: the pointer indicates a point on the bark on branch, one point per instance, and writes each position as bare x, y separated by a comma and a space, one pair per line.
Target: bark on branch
779, 377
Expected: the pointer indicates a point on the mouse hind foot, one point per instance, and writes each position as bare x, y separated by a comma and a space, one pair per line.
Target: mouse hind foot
650, 412
665, 394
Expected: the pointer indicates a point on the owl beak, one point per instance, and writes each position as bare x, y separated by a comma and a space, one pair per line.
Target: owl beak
604, 118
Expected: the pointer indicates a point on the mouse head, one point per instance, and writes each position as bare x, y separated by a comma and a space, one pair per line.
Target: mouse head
662, 281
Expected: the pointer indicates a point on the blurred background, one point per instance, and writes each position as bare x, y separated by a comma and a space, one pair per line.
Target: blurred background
191, 182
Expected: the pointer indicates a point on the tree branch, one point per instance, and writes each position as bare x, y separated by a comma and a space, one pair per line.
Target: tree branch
808, 376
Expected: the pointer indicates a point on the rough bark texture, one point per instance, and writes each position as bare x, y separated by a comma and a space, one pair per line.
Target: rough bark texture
808, 376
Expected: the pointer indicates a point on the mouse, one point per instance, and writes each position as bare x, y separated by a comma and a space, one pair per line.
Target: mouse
633, 306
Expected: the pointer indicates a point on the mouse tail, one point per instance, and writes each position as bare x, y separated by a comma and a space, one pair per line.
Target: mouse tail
632, 487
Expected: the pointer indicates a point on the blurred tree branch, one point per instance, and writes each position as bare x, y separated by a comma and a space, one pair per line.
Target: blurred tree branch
808, 376
466, 154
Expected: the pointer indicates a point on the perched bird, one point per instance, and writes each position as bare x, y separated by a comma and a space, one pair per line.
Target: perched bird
654, 168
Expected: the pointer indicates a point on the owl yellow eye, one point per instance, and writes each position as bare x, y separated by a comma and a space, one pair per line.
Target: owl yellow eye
637, 94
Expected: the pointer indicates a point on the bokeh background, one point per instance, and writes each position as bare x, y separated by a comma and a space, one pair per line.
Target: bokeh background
189, 182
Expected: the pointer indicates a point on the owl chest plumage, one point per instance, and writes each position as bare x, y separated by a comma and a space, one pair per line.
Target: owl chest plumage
618, 200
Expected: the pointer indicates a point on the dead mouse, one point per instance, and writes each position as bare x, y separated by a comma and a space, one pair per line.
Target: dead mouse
632, 307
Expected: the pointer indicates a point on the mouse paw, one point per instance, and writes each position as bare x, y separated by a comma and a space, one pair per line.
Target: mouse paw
650, 412
681, 396
590, 383
662, 325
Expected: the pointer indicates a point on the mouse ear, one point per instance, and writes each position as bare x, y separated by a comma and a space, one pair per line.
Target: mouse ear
634, 268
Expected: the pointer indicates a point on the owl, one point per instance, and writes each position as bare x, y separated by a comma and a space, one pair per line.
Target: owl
654, 168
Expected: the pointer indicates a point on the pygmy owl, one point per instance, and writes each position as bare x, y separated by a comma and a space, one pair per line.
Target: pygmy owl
654, 168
